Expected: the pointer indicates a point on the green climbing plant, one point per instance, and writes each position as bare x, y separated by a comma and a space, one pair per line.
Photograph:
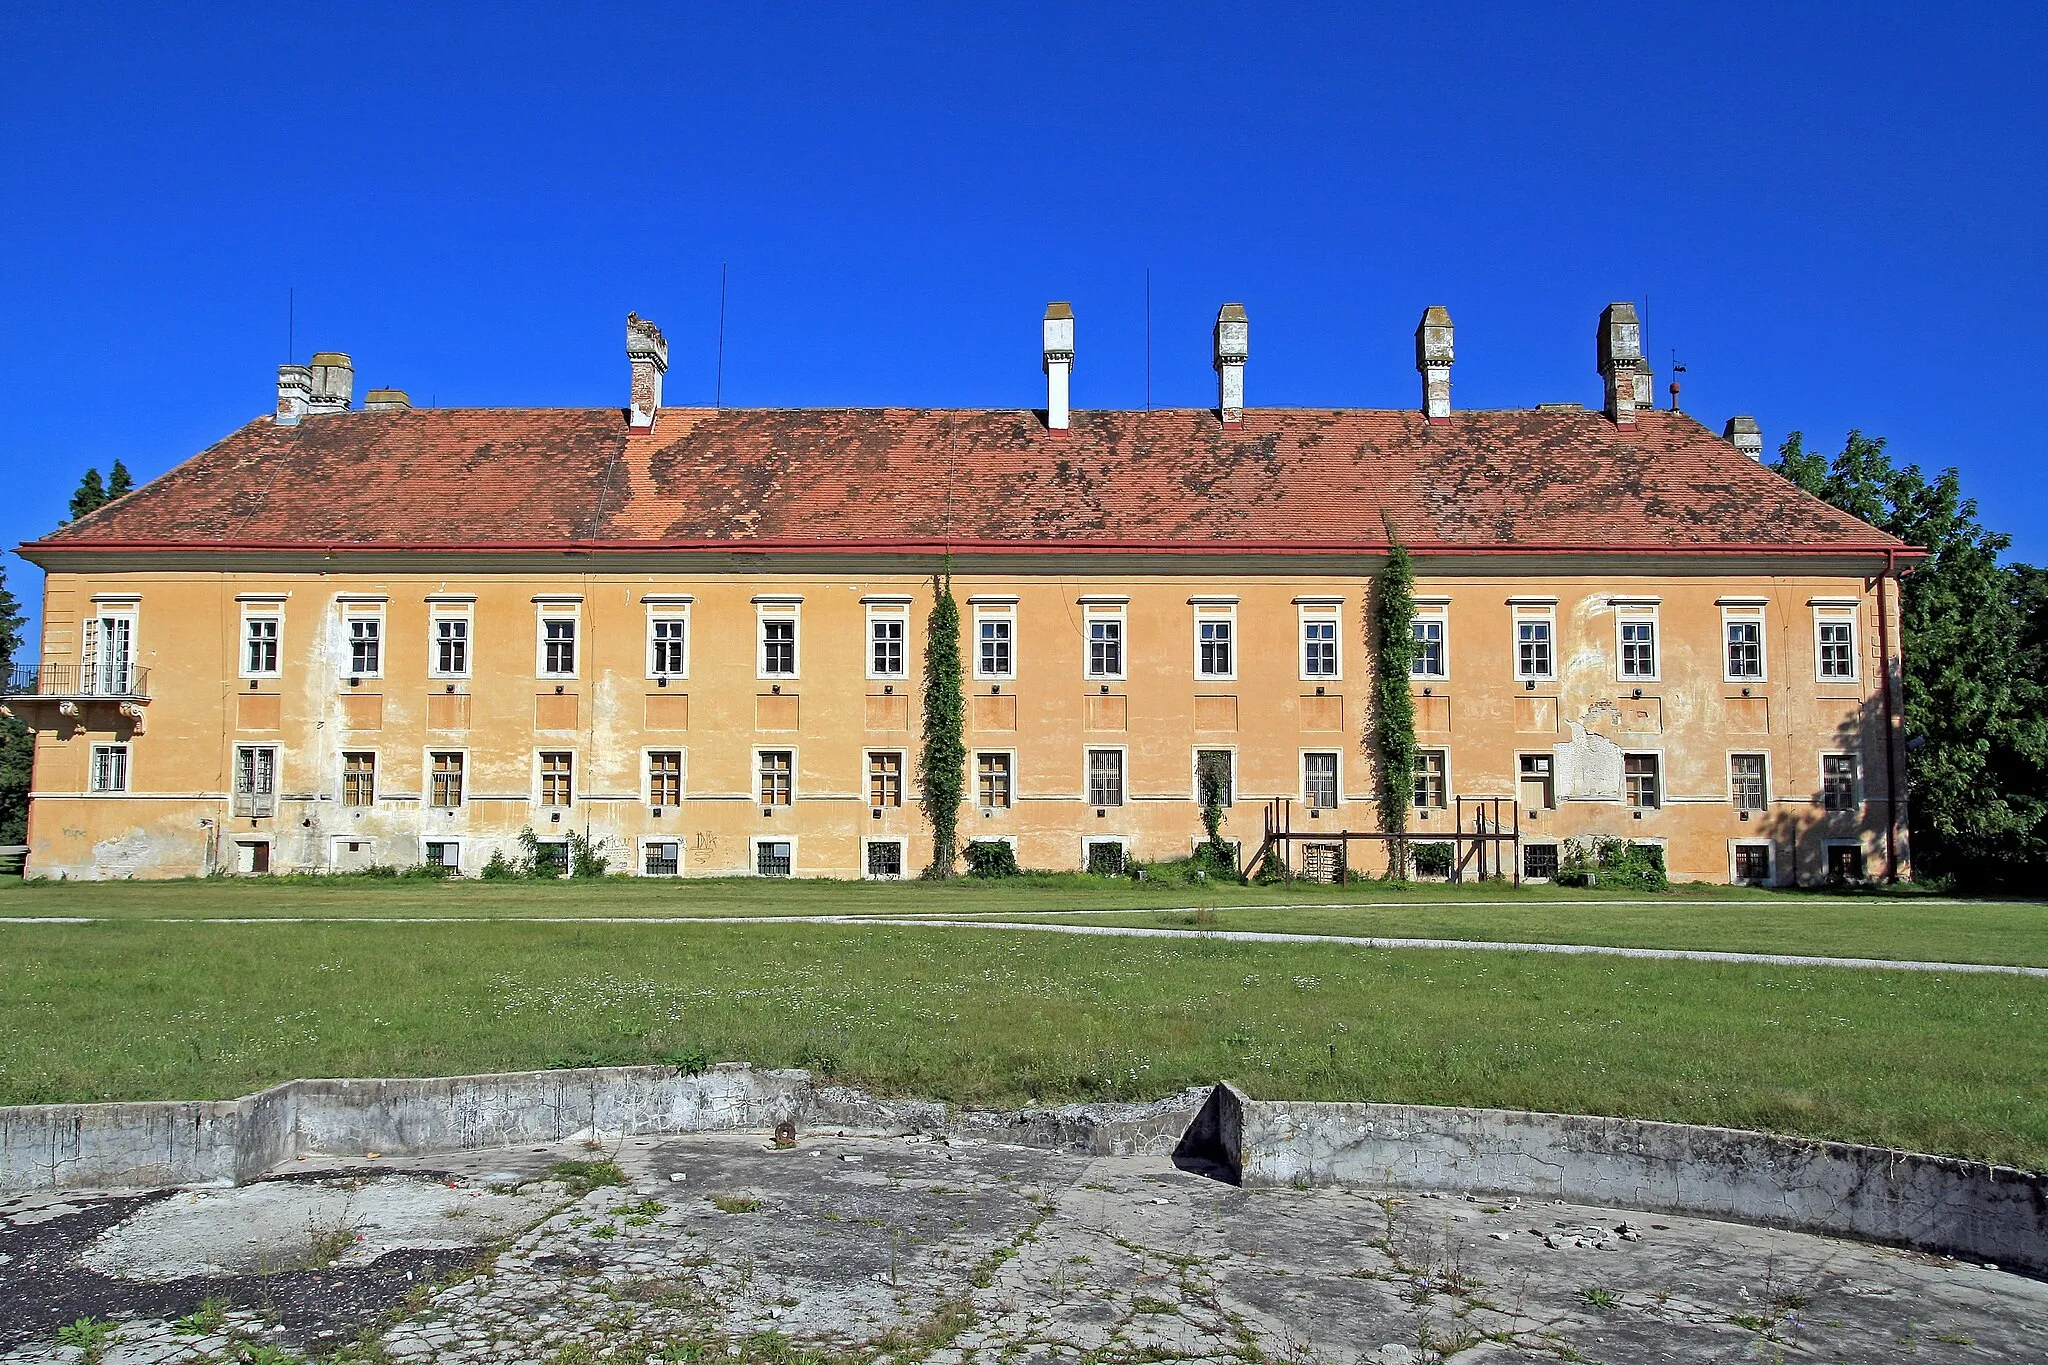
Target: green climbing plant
1393, 708
942, 766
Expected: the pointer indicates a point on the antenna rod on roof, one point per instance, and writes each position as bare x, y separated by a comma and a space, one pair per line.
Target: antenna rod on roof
1148, 338
291, 322
718, 392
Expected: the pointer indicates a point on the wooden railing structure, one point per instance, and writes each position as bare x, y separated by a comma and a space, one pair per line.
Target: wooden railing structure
1490, 847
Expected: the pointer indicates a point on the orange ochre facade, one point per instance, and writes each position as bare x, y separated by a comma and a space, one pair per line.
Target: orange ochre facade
746, 718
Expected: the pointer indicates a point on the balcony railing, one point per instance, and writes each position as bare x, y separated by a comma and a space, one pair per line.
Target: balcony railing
69, 682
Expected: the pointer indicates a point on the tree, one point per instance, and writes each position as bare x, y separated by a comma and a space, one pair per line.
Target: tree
90, 497
942, 766
119, 481
17, 746
1976, 666
1393, 707
1212, 778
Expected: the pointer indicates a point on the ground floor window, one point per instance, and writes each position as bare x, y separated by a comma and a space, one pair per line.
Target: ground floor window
885, 859
256, 781
661, 858
778, 767
665, 777
359, 779
110, 767
557, 778
1105, 777
885, 779
1431, 770
992, 777
1319, 781
1539, 862
1753, 864
446, 793
772, 858
1645, 785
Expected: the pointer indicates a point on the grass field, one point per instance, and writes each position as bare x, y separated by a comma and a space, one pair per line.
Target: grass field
132, 1008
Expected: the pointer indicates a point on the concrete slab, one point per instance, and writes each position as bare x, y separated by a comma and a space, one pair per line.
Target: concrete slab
967, 1250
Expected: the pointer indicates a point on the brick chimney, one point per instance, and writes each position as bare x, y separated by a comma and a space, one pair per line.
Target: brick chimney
1059, 363
1746, 436
294, 393
1433, 362
1622, 364
647, 353
1233, 346
334, 382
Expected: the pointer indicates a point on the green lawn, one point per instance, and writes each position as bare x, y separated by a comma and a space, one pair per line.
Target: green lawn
129, 1009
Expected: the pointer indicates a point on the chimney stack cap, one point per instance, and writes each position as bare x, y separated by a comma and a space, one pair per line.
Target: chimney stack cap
1058, 364
1233, 334
294, 393
1621, 335
647, 359
381, 400
334, 382
1745, 435
1433, 337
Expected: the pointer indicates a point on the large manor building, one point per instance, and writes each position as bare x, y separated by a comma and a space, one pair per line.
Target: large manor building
385, 635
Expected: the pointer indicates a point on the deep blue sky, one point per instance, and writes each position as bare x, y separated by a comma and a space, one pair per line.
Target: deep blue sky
1837, 217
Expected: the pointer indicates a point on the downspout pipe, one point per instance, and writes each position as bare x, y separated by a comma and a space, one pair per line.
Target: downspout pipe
1891, 763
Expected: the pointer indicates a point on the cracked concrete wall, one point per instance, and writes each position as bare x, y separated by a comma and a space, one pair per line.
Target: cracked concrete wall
1932, 1203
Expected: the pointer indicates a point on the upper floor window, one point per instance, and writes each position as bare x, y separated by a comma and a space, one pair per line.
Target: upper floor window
1636, 628
110, 767
1742, 633
359, 779
665, 777
993, 643
1320, 660
1429, 647
1838, 782
1105, 777
365, 646
667, 639
778, 777
1643, 774
558, 647
888, 634
776, 629
451, 646
1215, 639
1834, 641
1535, 627
1105, 639
259, 646
557, 777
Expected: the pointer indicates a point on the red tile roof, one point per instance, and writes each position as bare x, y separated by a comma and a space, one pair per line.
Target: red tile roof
1284, 479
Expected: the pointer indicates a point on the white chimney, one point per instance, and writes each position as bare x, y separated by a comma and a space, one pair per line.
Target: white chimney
1621, 363
334, 382
1059, 363
1233, 346
1746, 436
1433, 362
647, 353
294, 393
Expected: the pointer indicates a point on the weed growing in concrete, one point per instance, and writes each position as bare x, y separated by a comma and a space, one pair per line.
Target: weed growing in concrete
208, 1318
91, 1335
581, 1177
735, 1203
1602, 1299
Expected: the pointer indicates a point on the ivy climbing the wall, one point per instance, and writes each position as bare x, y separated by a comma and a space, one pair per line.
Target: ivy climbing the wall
943, 764
1393, 710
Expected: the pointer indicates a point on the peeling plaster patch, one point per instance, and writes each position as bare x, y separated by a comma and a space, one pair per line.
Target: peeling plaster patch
1588, 764
125, 855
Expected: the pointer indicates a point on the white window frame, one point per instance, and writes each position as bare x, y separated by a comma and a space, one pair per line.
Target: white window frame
242, 841
1828, 846
974, 776
647, 754
363, 609
1820, 766
1105, 609
1003, 609
1122, 841
341, 757
1838, 611
108, 610
276, 781
1635, 611
451, 607
1663, 779
903, 856
1437, 611
560, 841
754, 842
640, 854
127, 757
667, 609
778, 608
539, 800
269, 609
1745, 609
1215, 611
903, 773
1195, 772
1450, 797
1301, 775
554, 608
1087, 779
1769, 786
427, 753
1327, 611
461, 848
1770, 848
1532, 610
895, 609
795, 767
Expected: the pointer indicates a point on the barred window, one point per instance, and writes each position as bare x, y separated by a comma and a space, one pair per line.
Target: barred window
772, 858
1746, 776
1838, 781
110, 767
359, 779
663, 858
1319, 780
446, 790
1105, 777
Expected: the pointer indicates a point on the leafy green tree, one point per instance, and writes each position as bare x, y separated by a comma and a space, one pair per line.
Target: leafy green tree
90, 497
119, 481
942, 766
1976, 666
1393, 709
17, 746
1212, 777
